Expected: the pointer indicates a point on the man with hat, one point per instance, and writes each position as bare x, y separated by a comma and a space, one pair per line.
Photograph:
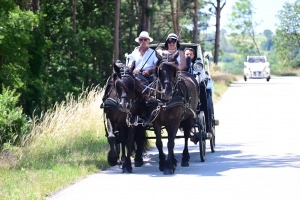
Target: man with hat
144, 57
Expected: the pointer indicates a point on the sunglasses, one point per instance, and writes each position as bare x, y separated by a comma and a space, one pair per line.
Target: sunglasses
171, 41
143, 39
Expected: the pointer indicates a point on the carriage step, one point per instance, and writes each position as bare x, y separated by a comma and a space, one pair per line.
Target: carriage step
216, 122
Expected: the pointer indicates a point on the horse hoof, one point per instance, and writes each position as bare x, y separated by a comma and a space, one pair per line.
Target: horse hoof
112, 160
161, 168
138, 163
185, 164
168, 171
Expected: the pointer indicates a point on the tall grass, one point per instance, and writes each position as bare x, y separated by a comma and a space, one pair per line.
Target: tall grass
222, 81
66, 143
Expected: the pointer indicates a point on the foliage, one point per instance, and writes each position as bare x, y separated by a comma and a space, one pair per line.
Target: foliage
267, 45
15, 34
13, 124
287, 35
226, 57
242, 25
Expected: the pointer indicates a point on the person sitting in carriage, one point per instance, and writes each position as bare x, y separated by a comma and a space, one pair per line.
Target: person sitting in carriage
172, 45
190, 59
144, 57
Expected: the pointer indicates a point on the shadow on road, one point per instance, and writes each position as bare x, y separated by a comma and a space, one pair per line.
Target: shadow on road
226, 157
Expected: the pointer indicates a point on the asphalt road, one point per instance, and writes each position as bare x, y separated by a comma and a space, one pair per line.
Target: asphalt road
257, 154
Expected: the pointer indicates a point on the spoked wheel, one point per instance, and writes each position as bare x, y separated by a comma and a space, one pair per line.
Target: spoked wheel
213, 140
210, 110
202, 141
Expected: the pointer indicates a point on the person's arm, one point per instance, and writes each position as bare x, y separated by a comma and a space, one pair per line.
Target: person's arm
182, 60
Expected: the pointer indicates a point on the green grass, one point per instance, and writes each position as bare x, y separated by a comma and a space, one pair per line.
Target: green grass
35, 173
65, 145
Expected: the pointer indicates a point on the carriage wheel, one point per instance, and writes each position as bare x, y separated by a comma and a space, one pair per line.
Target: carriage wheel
213, 140
210, 110
213, 131
202, 141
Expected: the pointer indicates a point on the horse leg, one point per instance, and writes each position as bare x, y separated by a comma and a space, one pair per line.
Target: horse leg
187, 125
159, 145
112, 157
171, 162
123, 137
142, 145
129, 145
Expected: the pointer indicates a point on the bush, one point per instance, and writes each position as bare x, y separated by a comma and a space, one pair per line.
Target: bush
13, 123
227, 57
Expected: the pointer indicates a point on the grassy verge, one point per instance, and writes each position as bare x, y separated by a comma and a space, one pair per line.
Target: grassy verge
221, 83
65, 145
285, 72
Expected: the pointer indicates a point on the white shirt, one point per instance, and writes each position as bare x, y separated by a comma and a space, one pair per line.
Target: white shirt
141, 60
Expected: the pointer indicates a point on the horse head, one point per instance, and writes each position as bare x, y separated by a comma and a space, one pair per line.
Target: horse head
129, 87
166, 72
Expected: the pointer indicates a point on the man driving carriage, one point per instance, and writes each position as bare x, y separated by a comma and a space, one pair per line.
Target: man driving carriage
144, 57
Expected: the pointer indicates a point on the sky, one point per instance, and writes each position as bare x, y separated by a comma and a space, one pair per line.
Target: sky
265, 12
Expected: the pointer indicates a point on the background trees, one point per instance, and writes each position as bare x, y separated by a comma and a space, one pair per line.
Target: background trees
52, 48
287, 39
243, 26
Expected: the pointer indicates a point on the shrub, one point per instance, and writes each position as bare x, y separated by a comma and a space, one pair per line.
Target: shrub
13, 123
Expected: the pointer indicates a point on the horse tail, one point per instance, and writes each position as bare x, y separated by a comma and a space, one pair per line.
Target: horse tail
141, 140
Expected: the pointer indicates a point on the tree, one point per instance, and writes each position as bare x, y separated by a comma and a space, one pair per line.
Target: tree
243, 26
116, 30
269, 42
287, 39
217, 12
175, 12
195, 22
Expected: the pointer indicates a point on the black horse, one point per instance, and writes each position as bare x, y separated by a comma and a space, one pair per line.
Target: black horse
127, 86
177, 100
173, 101
117, 127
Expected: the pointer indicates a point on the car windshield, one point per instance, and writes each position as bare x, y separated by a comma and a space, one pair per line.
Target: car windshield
256, 60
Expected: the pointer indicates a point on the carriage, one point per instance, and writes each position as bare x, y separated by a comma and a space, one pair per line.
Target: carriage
199, 121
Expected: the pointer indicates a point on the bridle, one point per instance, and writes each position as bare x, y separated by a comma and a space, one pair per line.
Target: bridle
166, 81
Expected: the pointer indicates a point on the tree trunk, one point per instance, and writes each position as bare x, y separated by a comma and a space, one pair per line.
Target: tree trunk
195, 21
145, 19
217, 37
116, 31
177, 31
73, 52
173, 16
34, 4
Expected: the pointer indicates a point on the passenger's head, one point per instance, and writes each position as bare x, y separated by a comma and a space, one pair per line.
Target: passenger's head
189, 52
172, 42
